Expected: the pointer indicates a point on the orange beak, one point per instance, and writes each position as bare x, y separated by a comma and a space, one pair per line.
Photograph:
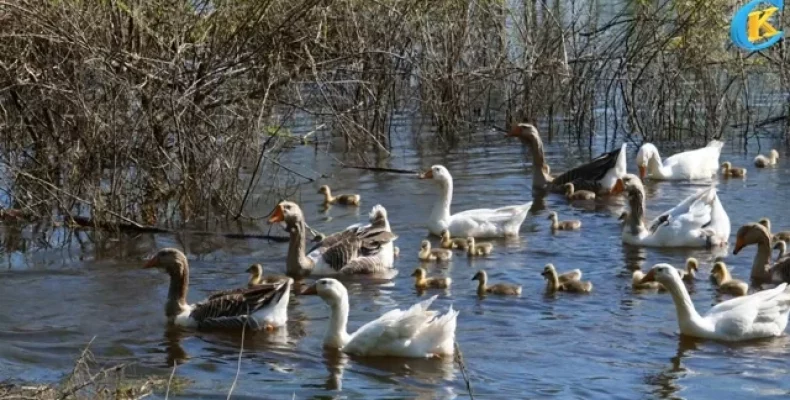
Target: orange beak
277, 215
619, 187
738, 245
650, 277
427, 174
515, 131
151, 263
311, 290
642, 172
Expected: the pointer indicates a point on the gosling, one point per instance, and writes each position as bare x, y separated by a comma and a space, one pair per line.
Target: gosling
692, 266
572, 194
422, 282
778, 236
450, 243
345, 199
554, 284
636, 282
731, 172
479, 249
762, 161
428, 254
726, 283
257, 278
556, 224
499, 288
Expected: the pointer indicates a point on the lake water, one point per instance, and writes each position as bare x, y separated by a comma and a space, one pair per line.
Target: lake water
613, 343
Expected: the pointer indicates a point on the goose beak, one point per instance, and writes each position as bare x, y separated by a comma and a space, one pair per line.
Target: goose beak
650, 277
310, 291
151, 263
277, 215
427, 174
619, 187
642, 172
738, 246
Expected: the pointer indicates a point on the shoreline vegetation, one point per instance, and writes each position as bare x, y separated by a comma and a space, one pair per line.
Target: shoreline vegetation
164, 113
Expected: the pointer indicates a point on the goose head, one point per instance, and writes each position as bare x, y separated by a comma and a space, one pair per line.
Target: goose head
662, 273
692, 264
623, 216
726, 166
438, 173
766, 222
549, 271
331, 291
750, 234
719, 270
419, 273
774, 154
288, 212
628, 183
324, 189
480, 276
445, 234
425, 245
377, 214
470, 242
525, 132
255, 269
552, 215
171, 260
643, 156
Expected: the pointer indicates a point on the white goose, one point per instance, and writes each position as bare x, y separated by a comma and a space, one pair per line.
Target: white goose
760, 315
415, 332
701, 163
698, 221
478, 223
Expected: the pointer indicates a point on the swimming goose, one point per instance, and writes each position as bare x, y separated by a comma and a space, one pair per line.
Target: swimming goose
763, 271
346, 199
721, 275
264, 306
572, 194
452, 243
698, 221
692, 266
421, 281
359, 250
498, 288
762, 161
759, 315
553, 283
598, 175
701, 163
415, 332
482, 222
783, 236
257, 278
729, 171
428, 254
477, 249
556, 224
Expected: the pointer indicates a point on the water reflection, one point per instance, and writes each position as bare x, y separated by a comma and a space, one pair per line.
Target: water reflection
665, 382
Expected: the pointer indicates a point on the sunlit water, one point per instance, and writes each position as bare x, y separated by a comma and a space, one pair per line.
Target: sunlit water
613, 343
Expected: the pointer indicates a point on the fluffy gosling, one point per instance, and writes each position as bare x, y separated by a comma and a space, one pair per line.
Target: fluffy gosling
345, 199
762, 161
498, 288
555, 285
450, 243
428, 254
421, 281
732, 172
726, 283
572, 194
557, 225
477, 249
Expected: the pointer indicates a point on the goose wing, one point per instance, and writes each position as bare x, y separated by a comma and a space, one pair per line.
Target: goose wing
593, 171
233, 310
760, 313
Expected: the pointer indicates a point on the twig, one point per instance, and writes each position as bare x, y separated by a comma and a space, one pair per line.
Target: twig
241, 351
380, 169
459, 358
170, 380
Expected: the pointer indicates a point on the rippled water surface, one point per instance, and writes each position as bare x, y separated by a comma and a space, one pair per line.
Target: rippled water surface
613, 343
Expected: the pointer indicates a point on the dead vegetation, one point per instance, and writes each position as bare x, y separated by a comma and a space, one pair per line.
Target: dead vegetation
160, 112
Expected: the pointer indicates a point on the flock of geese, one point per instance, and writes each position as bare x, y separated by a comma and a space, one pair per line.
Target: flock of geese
367, 250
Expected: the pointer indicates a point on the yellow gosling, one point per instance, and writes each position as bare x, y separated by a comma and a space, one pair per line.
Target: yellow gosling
421, 281
499, 288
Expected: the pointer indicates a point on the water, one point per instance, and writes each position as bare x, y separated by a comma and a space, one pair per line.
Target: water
614, 343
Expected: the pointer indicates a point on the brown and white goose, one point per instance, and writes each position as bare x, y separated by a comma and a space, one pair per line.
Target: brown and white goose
358, 250
763, 270
598, 176
261, 307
